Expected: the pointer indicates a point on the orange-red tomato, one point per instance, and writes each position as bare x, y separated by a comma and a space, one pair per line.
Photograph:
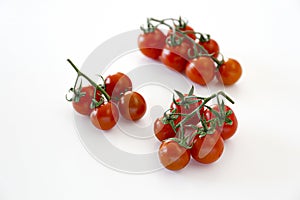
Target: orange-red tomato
173, 156
211, 47
116, 84
105, 116
229, 72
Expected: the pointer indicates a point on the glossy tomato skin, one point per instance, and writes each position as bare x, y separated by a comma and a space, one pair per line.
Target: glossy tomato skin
132, 106
211, 47
207, 149
83, 105
163, 131
116, 84
173, 156
105, 116
229, 72
227, 131
201, 70
152, 43
187, 110
176, 57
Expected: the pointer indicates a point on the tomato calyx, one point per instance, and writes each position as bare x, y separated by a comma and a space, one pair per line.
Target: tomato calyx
184, 129
77, 94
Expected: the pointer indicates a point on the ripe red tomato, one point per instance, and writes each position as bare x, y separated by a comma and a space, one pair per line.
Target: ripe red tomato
176, 57
116, 84
229, 72
211, 47
152, 43
132, 106
163, 131
105, 116
201, 70
227, 130
83, 105
173, 156
187, 109
186, 28
207, 149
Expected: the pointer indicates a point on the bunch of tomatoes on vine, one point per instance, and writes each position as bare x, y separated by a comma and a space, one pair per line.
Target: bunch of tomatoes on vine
192, 128
103, 102
184, 50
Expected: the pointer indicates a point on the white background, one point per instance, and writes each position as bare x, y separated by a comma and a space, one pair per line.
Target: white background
41, 156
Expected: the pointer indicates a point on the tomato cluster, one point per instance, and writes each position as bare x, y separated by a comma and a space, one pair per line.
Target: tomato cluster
103, 103
191, 128
185, 50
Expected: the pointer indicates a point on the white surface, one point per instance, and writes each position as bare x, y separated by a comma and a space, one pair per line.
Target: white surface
41, 156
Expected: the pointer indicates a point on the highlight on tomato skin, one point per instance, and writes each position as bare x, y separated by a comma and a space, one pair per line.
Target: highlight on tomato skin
105, 116
173, 156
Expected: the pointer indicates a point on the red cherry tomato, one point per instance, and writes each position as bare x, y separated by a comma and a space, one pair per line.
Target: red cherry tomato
211, 47
227, 130
187, 28
152, 43
163, 131
187, 109
132, 106
105, 116
116, 84
173, 156
201, 70
176, 57
229, 72
83, 105
207, 149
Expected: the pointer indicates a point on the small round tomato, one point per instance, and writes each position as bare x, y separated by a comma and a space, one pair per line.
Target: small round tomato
229, 72
211, 47
176, 57
207, 149
173, 156
132, 106
201, 70
188, 30
152, 43
185, 108
163, 131
227, 130
105, 116
84, 103
116, 84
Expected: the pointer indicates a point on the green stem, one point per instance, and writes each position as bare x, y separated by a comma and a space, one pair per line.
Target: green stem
189, 116
79, 73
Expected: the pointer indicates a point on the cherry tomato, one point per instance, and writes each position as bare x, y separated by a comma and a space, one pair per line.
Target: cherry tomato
83, 105
201, 70
116, 84
173, 156
229, 72
152, 43
227, 130
132, 106
211, 47
207, 149
163, 131
186, 28
176, 57
187, 109
105, 116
